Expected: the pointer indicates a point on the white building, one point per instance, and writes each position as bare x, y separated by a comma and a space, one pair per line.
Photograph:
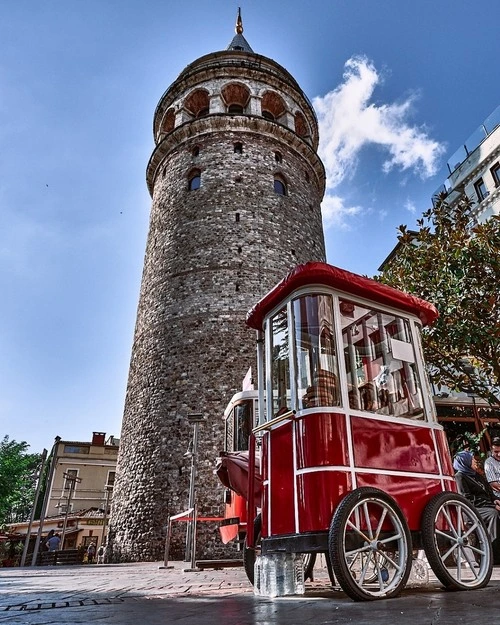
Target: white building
475, 170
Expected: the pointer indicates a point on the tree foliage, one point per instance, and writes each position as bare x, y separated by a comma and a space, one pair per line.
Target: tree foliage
18, 475
455, 265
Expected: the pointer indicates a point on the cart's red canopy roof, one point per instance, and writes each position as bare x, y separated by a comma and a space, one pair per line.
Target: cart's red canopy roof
341, 280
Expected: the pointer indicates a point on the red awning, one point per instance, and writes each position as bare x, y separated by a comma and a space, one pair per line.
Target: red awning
340, 280
232, 471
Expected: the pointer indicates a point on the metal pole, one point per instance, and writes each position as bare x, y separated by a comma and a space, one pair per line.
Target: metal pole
45, 505
195, 419
193, 539
32, 515
72, 479
167, 544
108, 491
192, 480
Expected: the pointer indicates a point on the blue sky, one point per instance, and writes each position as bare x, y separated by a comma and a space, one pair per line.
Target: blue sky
398, 85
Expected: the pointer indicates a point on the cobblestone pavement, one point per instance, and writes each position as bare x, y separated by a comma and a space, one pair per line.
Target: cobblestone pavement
146, 594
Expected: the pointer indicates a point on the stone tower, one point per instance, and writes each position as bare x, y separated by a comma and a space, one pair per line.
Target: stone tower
236, 185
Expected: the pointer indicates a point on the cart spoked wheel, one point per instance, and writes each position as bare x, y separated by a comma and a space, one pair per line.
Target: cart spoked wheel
370, 545
250, 554
456, 542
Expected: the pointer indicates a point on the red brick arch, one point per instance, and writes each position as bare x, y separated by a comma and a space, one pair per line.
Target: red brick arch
274, 104
235, 93
197, 103
168, 122
301, 127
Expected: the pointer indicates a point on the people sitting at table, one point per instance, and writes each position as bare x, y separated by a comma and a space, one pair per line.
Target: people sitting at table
476, 489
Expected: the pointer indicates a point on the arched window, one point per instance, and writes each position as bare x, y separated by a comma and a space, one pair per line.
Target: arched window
301, 127
236, 97
197, 103
277, 157
272, 106
280, 185
238, 148
196, 151
168, 122
194, 180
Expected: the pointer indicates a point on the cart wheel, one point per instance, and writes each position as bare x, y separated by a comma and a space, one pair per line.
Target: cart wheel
250, 554
456, 542
370, 545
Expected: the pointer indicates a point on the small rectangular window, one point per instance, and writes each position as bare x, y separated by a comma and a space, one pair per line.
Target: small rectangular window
111, 478
68, 478
76, 449
495, 172
481, 189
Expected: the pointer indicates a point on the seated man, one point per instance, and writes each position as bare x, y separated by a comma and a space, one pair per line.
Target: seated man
492, 466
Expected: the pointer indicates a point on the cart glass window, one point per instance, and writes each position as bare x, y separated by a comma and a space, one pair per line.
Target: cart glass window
280, 364
243, 424
316, 369
380, 362
238, 426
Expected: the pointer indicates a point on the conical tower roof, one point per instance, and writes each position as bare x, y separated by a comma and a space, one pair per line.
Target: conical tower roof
239, 42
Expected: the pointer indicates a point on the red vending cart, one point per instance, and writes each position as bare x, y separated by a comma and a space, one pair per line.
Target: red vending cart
354, 463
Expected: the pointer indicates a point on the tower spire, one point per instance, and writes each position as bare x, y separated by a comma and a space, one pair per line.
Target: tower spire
239, 23
239, 42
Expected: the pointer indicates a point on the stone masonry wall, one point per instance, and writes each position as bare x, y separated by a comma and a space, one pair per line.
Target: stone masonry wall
211, 254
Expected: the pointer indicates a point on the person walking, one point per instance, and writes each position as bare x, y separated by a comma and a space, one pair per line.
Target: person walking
53, 543
100, 555
91, 553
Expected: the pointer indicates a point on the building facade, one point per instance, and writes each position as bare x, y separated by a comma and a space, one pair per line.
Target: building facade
236, 186
84, 472
81, 476
475, 170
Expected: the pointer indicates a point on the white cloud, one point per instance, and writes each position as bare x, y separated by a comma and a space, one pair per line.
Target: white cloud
410, 206
348, 121
335, 212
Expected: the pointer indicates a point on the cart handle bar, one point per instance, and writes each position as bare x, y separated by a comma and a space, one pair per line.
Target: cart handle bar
269, 424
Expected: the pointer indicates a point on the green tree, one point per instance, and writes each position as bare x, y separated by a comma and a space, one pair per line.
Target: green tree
455, 265
18, 475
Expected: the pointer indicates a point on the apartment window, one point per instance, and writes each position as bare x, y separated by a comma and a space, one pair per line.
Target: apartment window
70, 473
111, 478
495, 172
481, 190
76, 449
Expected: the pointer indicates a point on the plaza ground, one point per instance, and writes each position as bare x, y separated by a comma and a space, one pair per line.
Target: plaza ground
145, 593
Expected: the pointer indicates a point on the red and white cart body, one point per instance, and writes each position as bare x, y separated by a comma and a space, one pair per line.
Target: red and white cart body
345, 407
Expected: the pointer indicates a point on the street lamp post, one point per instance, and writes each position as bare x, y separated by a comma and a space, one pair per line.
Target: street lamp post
45, 504
108, 489
72, 479
195, 419
33, 509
